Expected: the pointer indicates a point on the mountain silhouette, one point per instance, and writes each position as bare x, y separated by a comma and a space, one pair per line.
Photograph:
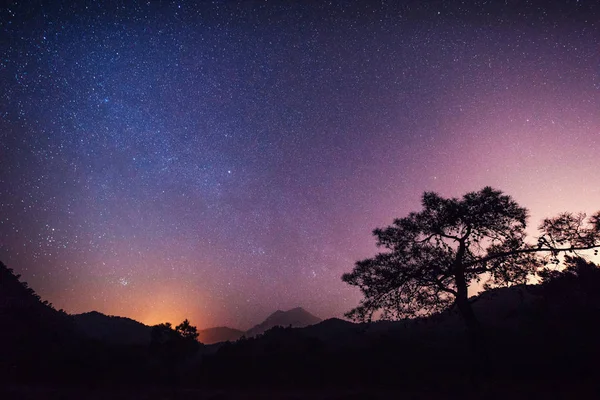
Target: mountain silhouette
219, 334
296, 318
112, 329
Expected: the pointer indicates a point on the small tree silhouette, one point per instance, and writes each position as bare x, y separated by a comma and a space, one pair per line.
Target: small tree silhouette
187, 331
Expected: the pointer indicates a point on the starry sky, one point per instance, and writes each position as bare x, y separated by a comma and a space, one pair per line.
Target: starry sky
217, 162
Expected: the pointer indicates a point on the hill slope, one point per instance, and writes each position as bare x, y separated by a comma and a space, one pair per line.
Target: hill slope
34, 334
25, 312
112, 329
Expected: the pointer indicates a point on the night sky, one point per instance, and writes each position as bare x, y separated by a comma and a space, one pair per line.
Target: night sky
221, 161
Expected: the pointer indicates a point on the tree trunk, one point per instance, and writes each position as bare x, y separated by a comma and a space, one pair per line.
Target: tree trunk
463, 304
474, 328
475, 333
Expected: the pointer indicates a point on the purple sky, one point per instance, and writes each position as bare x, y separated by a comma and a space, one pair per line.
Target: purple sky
167, 160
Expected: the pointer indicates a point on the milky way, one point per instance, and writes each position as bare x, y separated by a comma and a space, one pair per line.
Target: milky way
218, 162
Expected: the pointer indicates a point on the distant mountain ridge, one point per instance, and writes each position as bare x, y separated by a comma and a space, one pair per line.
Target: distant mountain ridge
296, 318
219, 334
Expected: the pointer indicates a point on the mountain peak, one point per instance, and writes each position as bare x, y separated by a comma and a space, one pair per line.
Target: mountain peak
290, 311
296, 318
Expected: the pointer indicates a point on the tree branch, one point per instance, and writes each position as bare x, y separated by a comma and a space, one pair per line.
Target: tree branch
528, 251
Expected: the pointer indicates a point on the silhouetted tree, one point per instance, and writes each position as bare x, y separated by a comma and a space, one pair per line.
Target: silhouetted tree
174, 346
187, 331
434, 255
162, 334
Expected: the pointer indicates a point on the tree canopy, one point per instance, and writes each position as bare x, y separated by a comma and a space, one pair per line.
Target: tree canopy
432, 256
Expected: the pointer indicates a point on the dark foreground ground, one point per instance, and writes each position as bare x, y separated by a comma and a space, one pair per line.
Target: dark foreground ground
507, 391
